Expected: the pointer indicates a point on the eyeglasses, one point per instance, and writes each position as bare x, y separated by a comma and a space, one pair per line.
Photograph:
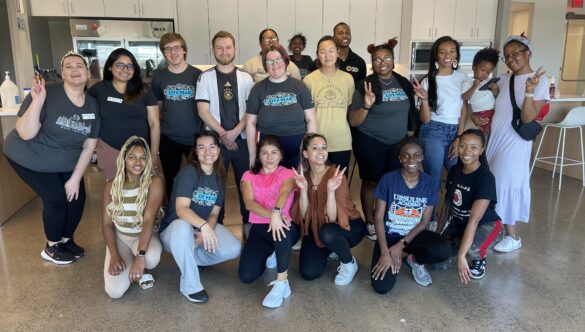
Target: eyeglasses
172, 49
386, 59
514, 55
274, 62
270, 39
121, 66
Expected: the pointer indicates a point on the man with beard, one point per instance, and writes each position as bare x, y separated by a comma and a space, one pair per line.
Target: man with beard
174, 88
254, 66
348, 61
221, 97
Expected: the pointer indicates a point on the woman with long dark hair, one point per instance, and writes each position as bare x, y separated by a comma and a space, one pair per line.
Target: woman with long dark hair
267, 189
442, 110
190, 231
469, 209
132, 201
127, 108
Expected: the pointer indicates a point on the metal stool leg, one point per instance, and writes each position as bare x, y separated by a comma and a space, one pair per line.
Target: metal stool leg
582, 156
564, 131
557, 153
538, 150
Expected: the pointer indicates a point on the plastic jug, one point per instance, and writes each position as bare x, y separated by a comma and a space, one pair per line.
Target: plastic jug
9, 92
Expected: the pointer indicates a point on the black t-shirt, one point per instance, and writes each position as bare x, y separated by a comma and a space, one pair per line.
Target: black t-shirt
306, 65
353, 65
466, 188
120, 120
227, 89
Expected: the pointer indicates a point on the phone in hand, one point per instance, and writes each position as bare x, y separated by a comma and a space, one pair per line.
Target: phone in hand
486, 86
38, 76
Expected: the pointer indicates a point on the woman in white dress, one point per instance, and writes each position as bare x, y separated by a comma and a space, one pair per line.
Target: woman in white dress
508, 154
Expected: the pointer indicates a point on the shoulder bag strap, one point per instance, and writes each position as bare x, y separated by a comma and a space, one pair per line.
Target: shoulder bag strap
513, 99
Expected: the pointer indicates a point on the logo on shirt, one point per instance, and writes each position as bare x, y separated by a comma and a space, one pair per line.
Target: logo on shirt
228, 93
205, 196
179, 92
352, 69
280, 99
73, 124
457, 198
330, 96
394, 94
404, 213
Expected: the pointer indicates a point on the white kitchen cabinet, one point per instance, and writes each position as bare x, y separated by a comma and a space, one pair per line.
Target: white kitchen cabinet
334, 11
475, 19
193, 25
389, 24
281, 17
139, 8
432, 19
73, 8
252, 19
309, 21
223, 15
363, 28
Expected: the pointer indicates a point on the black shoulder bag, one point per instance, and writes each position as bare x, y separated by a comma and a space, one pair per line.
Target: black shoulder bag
527, 131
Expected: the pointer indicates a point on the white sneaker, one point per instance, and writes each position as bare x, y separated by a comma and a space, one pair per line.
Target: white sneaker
346, 272
280, 291
271, 261
297, 246
508, 244
371, 231
420, 274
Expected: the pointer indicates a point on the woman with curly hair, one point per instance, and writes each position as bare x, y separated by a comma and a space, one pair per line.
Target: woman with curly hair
132, 201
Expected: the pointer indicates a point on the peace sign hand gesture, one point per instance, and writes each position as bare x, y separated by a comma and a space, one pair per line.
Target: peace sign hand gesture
532, 82
335, 181
369, 96
419, 90
300, 179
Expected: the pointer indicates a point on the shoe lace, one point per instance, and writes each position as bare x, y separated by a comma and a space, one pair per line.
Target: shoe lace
476, 265
277, 283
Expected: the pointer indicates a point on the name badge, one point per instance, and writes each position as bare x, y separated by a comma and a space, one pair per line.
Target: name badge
88, 116
115, 100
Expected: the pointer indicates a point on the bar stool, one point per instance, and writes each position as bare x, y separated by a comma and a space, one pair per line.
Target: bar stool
574, 119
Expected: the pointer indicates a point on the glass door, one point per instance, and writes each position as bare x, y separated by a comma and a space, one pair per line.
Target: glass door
147, 53
96, 51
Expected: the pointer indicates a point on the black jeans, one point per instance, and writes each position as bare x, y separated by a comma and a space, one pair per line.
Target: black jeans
60, 217
313, 259
427, 247
171, 153
259, 246
240, 164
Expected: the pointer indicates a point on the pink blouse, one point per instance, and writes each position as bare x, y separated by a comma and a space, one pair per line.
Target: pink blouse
266, 188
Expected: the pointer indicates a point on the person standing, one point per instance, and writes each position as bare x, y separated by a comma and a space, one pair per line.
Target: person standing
296, 46
174, 88
255, 67
348, 61
50, 148
221, 97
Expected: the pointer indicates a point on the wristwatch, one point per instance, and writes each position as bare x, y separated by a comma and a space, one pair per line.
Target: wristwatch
276, 209
141, 253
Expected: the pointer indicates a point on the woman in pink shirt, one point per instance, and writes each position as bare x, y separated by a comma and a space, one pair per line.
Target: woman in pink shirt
267, 190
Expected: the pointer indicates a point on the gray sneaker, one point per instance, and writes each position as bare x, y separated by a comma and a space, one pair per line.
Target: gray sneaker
420, 274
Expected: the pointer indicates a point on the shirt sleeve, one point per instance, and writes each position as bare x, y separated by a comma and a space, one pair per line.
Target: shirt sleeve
220, 196
305, 97
185, 182
350, 89
357, 100
486, 187
150, 98
382, 188
155, 86
202, 92
253, 103
467, 84
247, 177
541, 91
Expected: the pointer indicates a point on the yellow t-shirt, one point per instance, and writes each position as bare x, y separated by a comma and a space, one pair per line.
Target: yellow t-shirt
332, 96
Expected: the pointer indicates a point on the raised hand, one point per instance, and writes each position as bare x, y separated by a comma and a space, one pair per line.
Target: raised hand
532, 82
335, 181
419, 90
300, 179
369, 96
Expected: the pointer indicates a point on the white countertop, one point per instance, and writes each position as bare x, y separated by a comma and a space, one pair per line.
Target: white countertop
568, 98
9, 111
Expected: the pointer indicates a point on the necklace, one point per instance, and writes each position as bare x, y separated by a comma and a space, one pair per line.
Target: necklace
389, 82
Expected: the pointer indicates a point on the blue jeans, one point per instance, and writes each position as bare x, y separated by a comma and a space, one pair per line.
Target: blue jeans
437, 137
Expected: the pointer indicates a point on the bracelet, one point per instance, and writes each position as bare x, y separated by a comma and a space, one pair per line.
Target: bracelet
205, 223
366, 108
529, 95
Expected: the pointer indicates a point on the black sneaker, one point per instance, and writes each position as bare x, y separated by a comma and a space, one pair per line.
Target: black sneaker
477, 268
199, 297
57, 255
73, 248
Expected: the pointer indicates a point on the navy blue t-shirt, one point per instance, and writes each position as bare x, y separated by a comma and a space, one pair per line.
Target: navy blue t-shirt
404, 206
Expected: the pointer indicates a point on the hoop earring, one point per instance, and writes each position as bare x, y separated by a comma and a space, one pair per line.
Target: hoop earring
436, 65
455, 63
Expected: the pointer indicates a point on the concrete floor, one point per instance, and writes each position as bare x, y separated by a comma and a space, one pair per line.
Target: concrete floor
538, 288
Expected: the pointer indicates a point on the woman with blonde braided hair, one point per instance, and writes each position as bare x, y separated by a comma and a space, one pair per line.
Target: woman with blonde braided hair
132, 201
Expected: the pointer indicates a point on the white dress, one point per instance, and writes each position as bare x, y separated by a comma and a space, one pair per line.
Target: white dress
508, 154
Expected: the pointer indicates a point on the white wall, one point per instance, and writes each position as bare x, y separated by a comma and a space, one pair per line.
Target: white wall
6, 62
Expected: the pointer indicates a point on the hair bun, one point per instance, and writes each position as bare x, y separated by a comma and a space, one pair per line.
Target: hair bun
371, 48
393, 42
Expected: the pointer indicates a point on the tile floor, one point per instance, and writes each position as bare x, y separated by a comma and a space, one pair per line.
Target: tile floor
539, 288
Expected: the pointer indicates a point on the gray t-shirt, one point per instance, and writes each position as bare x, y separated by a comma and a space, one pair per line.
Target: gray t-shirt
205, 192
64, 129
280, 106
180, 121
388, 121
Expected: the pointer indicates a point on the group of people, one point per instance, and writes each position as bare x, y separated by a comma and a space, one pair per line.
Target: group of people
289, 143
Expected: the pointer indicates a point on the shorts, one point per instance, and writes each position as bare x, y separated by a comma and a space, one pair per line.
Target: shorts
374, 158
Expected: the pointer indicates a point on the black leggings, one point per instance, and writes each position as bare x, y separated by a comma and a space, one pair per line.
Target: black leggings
313, 259
171, 153
427, 247
259, 246
60, 218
